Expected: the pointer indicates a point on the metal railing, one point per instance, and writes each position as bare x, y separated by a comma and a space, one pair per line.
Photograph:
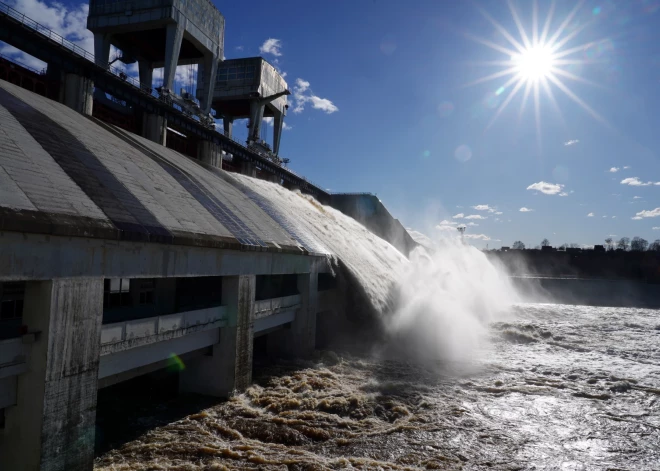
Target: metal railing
6, 10
24, 66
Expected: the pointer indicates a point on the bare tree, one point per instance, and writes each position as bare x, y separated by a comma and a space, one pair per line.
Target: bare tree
609, 243
563, 246
623, 244
638, 244
573, 245
545, 242
655, 246
518, 245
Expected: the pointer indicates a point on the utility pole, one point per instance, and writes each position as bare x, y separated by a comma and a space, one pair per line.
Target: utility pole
461, 229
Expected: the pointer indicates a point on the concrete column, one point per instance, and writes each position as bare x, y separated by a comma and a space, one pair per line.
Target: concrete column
76, 92
228, 369
248, 169
256, 116
52, 425
228, 124
154, 128
146, 71
173, 39
299, 340
207, 71
278, 123
102, 49
209, 153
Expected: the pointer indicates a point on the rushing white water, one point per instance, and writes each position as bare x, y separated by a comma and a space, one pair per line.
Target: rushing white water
447, 297
436, 304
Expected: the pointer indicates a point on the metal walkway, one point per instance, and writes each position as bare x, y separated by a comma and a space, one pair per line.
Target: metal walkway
36, 40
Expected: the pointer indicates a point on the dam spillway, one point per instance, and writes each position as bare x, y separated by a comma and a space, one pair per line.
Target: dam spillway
120, 256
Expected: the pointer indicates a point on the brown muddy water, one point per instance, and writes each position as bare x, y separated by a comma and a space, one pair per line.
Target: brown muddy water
556, 387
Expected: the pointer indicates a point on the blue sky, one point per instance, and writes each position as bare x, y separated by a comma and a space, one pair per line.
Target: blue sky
387, 104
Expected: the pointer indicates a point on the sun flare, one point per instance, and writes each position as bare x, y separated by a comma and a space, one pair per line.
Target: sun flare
534, 63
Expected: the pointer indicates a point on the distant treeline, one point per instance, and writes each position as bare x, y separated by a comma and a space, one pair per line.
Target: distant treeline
638, 265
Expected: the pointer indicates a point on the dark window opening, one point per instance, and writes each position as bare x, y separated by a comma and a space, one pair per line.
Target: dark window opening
116, 293
326, 281
198, 293
275, 286
129, 299
12, 295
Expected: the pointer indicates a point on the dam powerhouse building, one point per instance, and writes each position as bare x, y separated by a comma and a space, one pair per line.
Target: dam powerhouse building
124, 246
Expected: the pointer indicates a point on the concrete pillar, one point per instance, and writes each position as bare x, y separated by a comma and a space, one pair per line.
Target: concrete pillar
248, 169
207, 72
76, 92
146, 71
228, 124
154, 128
274, 178
299, 340
102, 49
209, 153
256, 117
228, 369
173, 39
278, 123
52, 425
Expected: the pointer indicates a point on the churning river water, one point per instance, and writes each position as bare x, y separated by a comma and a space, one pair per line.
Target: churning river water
554, 387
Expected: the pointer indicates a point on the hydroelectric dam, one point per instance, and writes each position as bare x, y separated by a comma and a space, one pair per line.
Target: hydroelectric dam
134, 236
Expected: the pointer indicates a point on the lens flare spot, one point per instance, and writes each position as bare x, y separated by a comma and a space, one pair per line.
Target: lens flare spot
560, 173
463, 153
491, 100
426, 154
596, 11
445, 109
175, 363
388, 45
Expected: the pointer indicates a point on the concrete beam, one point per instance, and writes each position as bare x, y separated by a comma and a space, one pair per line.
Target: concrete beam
228, 369
52, 425
38, 257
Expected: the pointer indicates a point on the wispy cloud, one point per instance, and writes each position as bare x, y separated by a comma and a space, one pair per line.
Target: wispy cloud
571, 142
626, 167
446, 228
637, 197
475, 216
271, 46
477, 236
458, 216
239, 48
546, 188
614, 169
445, 222
302, 94
525, 210
484, 207
635, 181
472, 224
657, 228
498, 213
590, 215
648, 213
563, 193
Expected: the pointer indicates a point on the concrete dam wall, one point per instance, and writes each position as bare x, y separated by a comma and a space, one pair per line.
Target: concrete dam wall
120, 257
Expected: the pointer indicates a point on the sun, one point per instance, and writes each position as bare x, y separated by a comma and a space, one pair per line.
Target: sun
534, 63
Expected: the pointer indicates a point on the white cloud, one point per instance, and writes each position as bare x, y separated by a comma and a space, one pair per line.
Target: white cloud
458, 216
271, 46
637, 197
571, 142
590, 215
635, 181
484, 207
475, 216
655, 228
472, 224
649, 213
477, 236
626, 167
525, 210
302, 94
613, 217
604, 216
547, 188
563, 193
444, 222
614, 169
239, 48
499, 213
446, 228
69, 22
